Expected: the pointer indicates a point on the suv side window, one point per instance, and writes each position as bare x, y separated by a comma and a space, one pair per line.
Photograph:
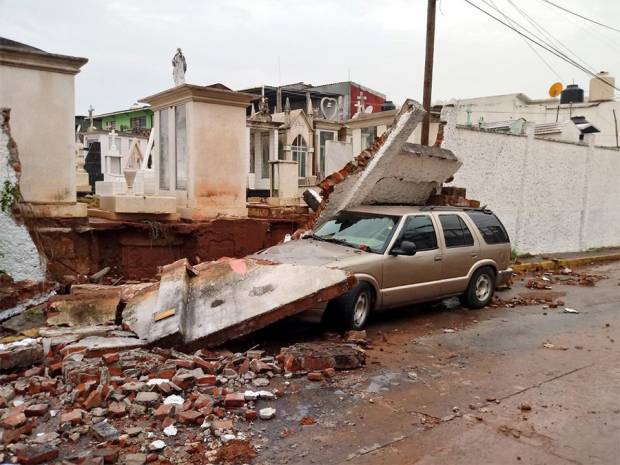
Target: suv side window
455, 231
491, 228
420, 231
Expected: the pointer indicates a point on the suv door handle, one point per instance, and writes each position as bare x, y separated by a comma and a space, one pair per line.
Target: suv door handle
438, 258
474, 255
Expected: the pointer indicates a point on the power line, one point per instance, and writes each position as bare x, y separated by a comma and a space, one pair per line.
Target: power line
546, 42
581, 16
550, 50
531, 47
546, 33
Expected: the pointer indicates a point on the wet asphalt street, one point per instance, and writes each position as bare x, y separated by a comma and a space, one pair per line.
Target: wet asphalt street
457, 386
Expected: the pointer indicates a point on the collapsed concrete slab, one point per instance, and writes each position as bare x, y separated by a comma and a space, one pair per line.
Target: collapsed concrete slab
413, 175
350, 186
218, 301
390, 171
79, 310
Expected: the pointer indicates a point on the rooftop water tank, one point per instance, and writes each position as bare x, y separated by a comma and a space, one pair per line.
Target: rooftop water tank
388, 105
602, 87
572, 94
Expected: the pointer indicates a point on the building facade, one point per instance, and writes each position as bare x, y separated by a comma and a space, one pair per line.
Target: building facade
599, 107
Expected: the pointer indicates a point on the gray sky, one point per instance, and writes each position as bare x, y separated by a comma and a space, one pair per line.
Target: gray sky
242, 43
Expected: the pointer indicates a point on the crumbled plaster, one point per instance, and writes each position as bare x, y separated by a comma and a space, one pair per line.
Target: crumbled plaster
19, 256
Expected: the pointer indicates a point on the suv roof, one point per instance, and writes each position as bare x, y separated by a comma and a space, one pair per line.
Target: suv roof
407, 209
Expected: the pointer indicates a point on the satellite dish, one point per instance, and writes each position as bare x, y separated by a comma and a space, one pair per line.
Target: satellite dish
556, 89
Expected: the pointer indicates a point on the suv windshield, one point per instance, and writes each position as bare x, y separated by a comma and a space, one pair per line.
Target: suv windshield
360, 230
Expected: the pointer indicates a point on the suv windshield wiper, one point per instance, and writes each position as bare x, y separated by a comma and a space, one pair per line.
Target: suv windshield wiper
331, 239
339, 241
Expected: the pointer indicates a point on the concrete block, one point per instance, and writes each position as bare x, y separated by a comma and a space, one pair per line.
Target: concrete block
138, 204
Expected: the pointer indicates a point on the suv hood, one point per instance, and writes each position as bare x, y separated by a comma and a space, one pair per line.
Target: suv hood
309, 252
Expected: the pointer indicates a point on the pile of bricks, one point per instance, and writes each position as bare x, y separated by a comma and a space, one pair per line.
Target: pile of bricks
453, 197
154, 405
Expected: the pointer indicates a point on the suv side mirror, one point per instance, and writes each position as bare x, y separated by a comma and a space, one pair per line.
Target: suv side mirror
405, 248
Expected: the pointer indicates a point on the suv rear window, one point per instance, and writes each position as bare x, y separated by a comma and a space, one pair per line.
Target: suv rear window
490, 227
455, 231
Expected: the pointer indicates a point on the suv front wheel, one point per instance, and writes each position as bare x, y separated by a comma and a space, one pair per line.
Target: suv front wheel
480, 289
351, 310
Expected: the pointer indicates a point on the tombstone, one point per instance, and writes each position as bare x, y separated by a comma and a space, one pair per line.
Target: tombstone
39, 88
82, 185
201, 149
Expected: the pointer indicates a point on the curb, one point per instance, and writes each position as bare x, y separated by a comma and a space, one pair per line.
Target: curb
556, 264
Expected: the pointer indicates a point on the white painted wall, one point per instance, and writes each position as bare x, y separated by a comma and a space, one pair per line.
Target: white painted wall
18, 254
42, 109
551, 196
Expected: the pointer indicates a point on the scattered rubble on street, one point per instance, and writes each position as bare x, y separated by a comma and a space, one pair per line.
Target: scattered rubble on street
147, 405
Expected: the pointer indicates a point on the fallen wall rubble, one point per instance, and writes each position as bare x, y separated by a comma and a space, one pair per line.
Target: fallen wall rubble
214, 302
389, 172
151, 405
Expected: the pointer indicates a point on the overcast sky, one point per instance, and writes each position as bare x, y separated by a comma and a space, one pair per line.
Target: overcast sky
243, 43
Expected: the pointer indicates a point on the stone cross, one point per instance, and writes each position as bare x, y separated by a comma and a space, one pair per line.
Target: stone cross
361, 98
90, 117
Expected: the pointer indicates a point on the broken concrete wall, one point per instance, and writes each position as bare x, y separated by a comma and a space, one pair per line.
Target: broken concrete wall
18, 253
360, 180
413, 175
217, 301
136, 250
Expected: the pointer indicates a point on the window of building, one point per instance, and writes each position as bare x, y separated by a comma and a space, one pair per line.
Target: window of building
368, 136
324, 136
112, 124
490, 227
299, 151
164, 166
420, 231
138, 123
455, 231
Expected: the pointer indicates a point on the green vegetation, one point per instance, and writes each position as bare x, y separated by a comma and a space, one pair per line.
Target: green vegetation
9, 196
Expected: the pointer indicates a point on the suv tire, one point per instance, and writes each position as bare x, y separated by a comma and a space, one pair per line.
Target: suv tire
480, 289
351, 310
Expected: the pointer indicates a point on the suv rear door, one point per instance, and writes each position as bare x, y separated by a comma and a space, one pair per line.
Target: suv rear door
460, 250
408, 279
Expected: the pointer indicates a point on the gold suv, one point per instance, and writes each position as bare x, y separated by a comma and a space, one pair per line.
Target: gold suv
403, 255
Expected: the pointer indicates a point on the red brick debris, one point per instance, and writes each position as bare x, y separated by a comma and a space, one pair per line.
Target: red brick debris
154, 405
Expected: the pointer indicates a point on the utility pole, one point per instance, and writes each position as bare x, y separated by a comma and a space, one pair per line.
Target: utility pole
428, 69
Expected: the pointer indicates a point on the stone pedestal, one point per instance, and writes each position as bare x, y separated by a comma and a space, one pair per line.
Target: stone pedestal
155, 205
201, 149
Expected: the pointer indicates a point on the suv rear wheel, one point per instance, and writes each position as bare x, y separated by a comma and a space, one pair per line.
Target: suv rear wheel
480, 289
351, 310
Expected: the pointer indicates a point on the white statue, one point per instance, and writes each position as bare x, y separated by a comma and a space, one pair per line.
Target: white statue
179, 66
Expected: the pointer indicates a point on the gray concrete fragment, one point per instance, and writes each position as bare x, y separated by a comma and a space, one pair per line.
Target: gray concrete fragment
413, 175
229, 298
19, 354
357, 186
